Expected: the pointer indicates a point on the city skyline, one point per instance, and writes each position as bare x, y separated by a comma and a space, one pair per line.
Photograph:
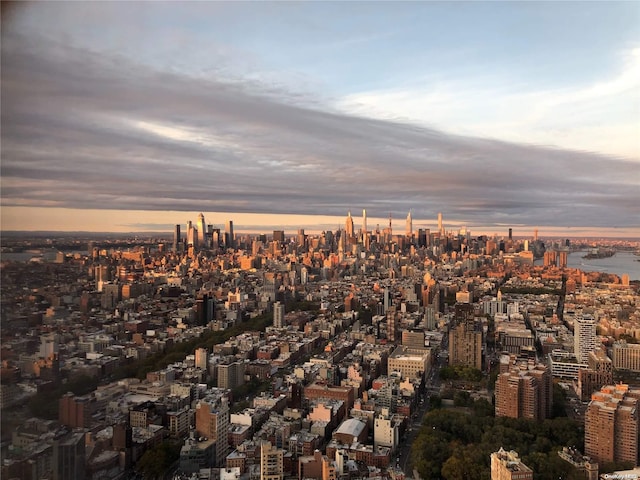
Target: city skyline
132, 116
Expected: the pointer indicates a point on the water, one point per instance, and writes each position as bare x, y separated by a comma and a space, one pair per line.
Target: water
621, 263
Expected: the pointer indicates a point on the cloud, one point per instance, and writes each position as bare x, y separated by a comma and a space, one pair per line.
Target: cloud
82, 130
601, 116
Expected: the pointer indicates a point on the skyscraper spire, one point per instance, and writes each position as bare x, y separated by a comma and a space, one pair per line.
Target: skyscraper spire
409, 227
349, 225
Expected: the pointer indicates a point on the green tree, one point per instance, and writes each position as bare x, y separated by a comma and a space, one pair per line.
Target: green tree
155, 462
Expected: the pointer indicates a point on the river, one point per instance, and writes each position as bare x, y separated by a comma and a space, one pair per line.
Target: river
622, 262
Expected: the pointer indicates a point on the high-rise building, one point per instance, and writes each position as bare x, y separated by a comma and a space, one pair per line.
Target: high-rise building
192, 238
278, 315
392, 324
212, 422
584, 336
465, 339
626, 356
599, 374
202, 232
440, 227
508, 466
68, 457
176, 238
349, 226
364, 222
409, 226
271, 462
231, 375
229, 239
202, 359
524, 392
562, 258
611, 425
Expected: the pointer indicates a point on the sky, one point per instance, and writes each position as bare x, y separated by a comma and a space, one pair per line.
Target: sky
126, 116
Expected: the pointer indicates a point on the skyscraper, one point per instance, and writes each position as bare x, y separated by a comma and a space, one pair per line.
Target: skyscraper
202, 231
584, 336
409, 226
440, 228
349, 226
192, 239
176, 238
364, 222
229, 240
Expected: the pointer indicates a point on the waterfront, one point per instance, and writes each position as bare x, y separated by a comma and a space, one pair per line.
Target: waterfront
622, 262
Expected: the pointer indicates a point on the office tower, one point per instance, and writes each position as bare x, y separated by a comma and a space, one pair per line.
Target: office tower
192, 238
202, 231
229, 239
364, 222
68, 457
278, 315
176, 238
611, 425
599, 374
278, 236
409, 226
508, 466
349, 226
301, 239
271, 462
535, 235
212, 422
524, 392
216, 238
202, 359
510, 233
584, 336
440, 227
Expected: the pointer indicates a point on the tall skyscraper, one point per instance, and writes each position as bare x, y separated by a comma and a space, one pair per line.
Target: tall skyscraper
229, 239
349, 226
440, 227
584, 336
202, 231
176, 238
364, 222
192, 238
409, 226
611, 425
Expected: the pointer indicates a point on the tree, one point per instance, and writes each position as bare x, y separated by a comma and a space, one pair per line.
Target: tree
156, 461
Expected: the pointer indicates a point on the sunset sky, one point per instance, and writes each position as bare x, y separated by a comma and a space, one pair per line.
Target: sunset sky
125, 116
